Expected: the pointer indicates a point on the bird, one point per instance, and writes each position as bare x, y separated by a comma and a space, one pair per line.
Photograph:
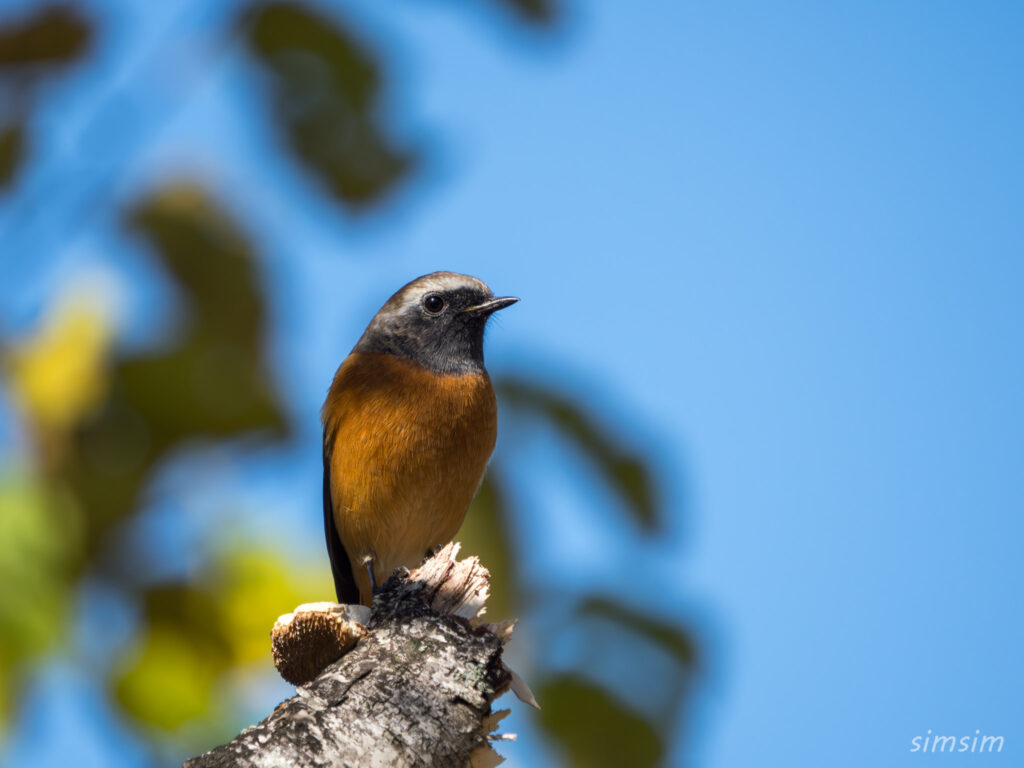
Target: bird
409, 424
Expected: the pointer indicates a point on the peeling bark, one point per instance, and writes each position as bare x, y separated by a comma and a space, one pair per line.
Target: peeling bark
415, 690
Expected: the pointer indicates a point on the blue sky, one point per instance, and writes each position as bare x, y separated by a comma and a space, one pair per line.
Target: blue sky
782, 241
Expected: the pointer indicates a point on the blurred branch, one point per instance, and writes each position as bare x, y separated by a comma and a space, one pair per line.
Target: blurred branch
416, 689
628, 474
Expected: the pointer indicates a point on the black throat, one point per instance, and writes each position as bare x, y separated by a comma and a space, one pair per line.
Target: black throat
453, 347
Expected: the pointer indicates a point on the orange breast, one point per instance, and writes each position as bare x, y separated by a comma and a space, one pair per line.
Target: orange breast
409, 450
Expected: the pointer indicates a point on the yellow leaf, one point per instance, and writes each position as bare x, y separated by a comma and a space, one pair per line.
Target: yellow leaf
256, 587
60, 374
170, 680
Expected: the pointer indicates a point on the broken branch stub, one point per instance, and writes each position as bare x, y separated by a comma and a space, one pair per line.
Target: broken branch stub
410, 683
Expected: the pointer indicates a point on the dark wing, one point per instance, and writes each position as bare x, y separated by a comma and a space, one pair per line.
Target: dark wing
341, 566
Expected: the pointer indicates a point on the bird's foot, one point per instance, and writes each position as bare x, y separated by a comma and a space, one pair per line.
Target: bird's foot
368, 563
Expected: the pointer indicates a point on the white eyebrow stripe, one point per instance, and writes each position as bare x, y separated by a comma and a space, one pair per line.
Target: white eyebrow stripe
415, 291
445, 281
448, 281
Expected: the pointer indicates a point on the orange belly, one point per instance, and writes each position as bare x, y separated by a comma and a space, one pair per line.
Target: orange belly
409, 450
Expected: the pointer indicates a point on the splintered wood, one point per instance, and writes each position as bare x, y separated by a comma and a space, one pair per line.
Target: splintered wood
454, 587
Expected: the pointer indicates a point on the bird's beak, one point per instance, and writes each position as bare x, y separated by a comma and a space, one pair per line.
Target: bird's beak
493, 305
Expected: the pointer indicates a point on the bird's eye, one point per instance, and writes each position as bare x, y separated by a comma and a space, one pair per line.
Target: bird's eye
433, 303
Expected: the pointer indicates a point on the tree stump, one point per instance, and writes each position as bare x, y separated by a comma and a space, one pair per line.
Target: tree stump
412, 687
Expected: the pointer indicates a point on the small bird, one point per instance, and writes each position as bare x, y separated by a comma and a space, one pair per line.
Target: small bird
409, 424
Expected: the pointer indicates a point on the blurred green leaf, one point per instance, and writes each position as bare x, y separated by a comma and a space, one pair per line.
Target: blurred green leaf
213, 381
628, 474
216, 382
51, 35
485, 533
594, 729
169, 679
253, 586
31, 47
326, 87
675, 640
192, 608
40, 535
205, 628
210, 258
9, 688
12, 153
170, 676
